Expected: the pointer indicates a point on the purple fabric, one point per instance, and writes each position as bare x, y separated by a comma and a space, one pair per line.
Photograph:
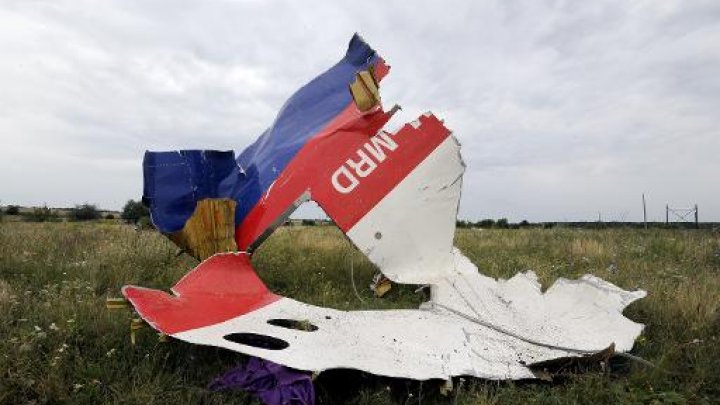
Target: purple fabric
272, 383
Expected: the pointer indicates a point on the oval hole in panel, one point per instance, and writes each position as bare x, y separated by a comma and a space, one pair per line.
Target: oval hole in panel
259, 341
304, 326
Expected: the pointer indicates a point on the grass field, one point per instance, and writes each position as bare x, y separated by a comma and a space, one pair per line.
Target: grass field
58, 343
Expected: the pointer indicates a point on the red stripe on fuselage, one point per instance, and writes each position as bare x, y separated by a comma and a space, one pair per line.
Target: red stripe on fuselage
316, 163
296, 178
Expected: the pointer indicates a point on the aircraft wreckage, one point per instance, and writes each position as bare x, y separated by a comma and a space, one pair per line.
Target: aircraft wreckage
327, 144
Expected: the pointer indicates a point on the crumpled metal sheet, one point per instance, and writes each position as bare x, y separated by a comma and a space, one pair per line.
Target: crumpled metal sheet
176, 181
472, 325
432, 342
395, 195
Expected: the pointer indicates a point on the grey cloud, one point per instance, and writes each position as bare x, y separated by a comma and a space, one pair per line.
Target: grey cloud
563, 108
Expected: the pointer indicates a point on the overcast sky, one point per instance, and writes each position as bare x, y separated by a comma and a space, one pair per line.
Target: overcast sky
564, 108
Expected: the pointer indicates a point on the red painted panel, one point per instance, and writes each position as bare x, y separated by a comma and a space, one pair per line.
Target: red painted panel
413, 146
220, 288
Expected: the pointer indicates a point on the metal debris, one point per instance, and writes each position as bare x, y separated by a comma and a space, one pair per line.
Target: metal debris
395, 195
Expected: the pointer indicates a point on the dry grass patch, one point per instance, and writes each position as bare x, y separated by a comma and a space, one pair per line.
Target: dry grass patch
6, 295
59, 344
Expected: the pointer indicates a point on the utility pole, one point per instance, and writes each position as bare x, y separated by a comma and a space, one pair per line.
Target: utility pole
697, 225
667, 214
644, 212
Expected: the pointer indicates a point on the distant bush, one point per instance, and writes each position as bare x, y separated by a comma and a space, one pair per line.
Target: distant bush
485, 223
145, 223
85, 212
524, 223
109, 216
502, 223
308, 222
12, 210
41, 214
133, 211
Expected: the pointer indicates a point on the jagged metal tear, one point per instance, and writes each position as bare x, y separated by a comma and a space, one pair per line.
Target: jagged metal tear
473, 325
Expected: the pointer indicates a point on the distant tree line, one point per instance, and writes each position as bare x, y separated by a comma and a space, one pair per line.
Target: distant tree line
503, 223
84, 212
133, 212
41, 214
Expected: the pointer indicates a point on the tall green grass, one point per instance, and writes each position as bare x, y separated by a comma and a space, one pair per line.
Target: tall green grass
58, 343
